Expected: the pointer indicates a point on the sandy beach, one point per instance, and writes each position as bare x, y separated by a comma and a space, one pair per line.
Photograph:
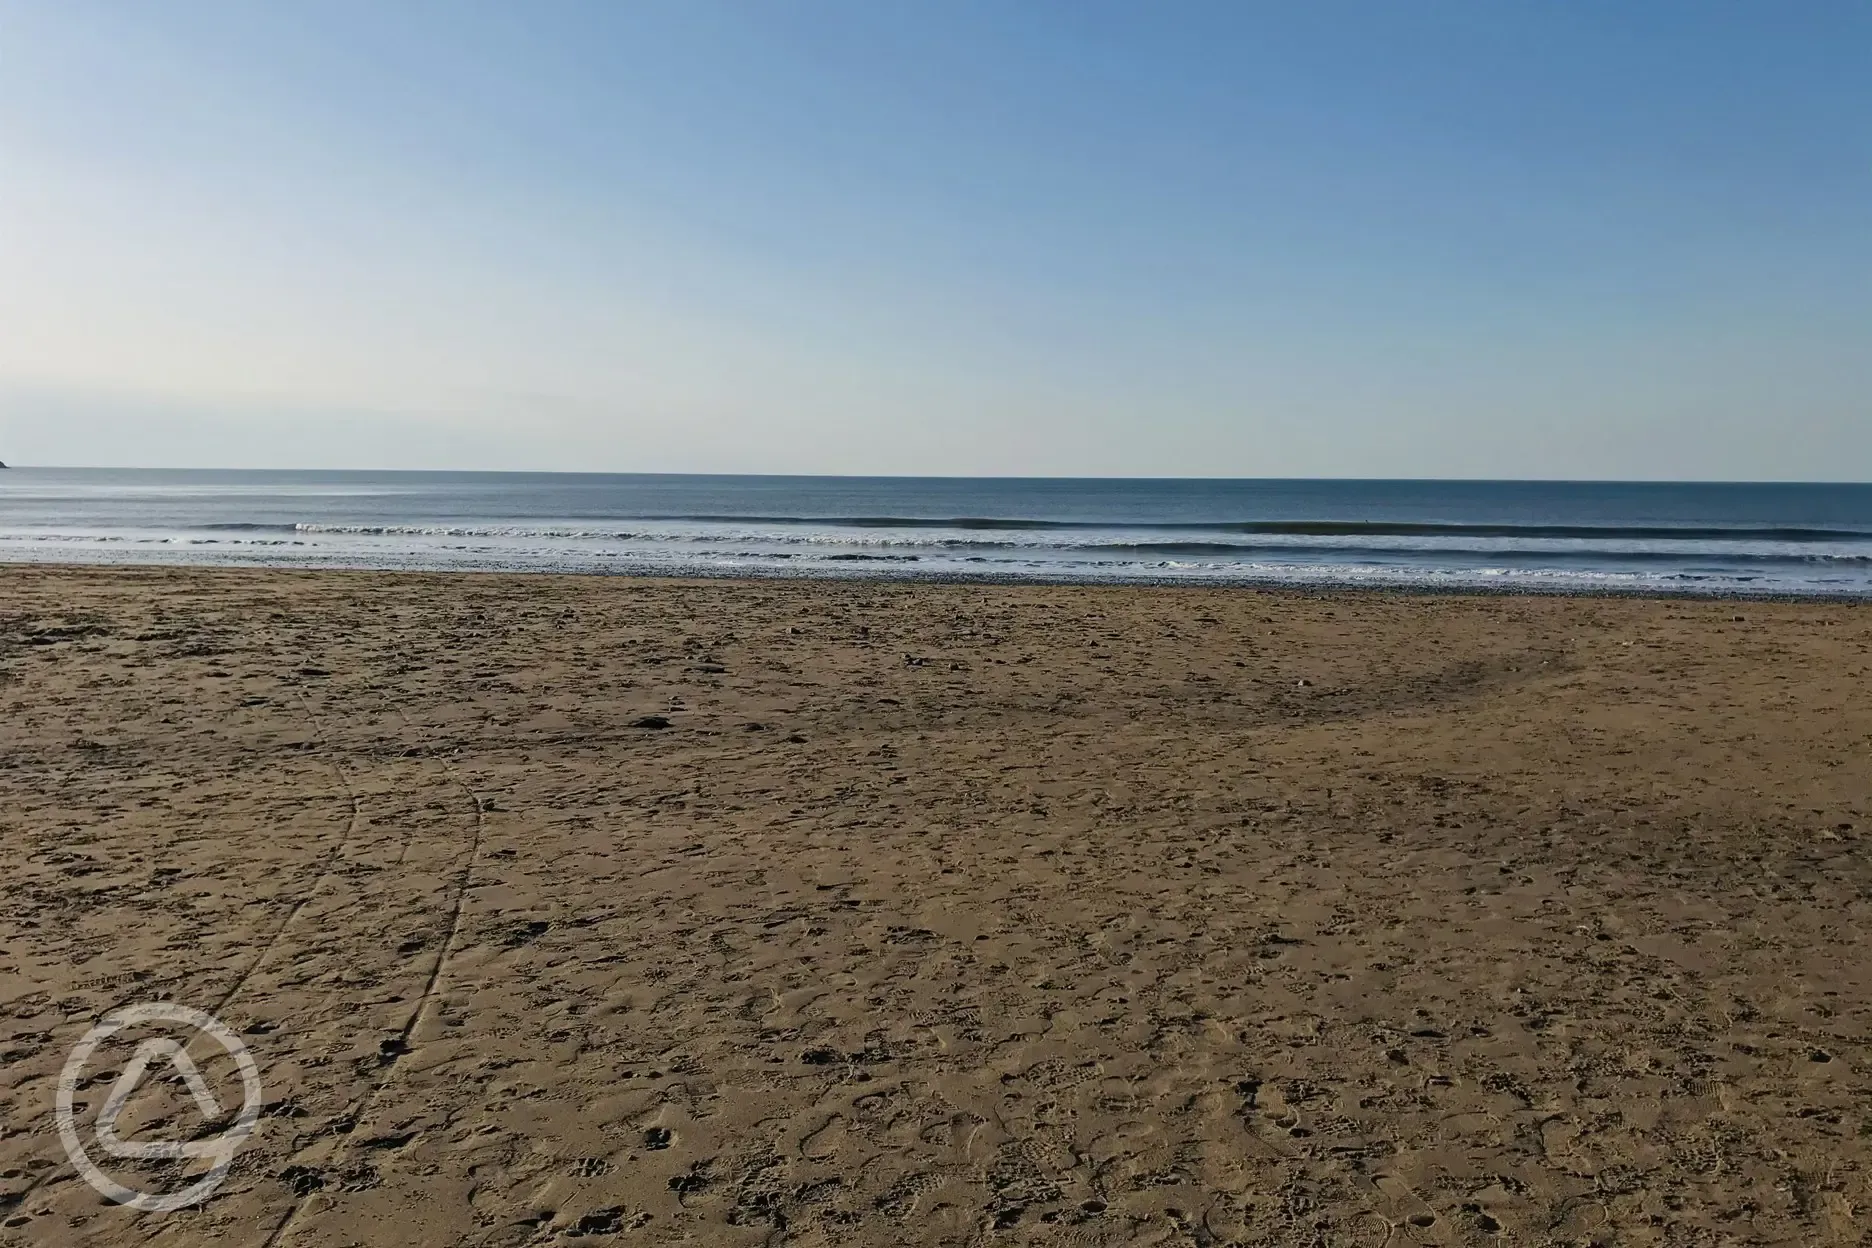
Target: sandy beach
653, 912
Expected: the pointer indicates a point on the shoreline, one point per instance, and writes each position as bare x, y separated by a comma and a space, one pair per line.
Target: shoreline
900, 576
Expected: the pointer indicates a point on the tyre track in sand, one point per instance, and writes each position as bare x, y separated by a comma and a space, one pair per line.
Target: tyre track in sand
404, 1043
326, 864
323, 871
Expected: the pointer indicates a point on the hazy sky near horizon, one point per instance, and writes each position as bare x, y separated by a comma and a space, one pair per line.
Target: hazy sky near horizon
1075, 237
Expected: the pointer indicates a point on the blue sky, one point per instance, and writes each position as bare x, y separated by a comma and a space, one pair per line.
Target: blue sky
1339, 239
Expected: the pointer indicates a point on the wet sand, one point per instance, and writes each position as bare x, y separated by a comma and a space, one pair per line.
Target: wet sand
944, 914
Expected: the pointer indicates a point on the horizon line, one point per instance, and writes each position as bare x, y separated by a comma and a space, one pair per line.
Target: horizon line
885, 476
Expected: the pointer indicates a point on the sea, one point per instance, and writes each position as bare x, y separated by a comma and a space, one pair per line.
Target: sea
1520, 536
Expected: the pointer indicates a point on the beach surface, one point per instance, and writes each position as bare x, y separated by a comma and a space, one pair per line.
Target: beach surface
604, 910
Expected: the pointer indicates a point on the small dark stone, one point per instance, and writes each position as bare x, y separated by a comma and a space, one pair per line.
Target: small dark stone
602, 1221
302, 1180
651, 721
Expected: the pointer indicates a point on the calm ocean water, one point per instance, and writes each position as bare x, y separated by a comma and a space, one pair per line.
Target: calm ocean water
1726, 538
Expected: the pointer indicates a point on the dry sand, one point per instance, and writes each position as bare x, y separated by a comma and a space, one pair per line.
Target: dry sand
946, 914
